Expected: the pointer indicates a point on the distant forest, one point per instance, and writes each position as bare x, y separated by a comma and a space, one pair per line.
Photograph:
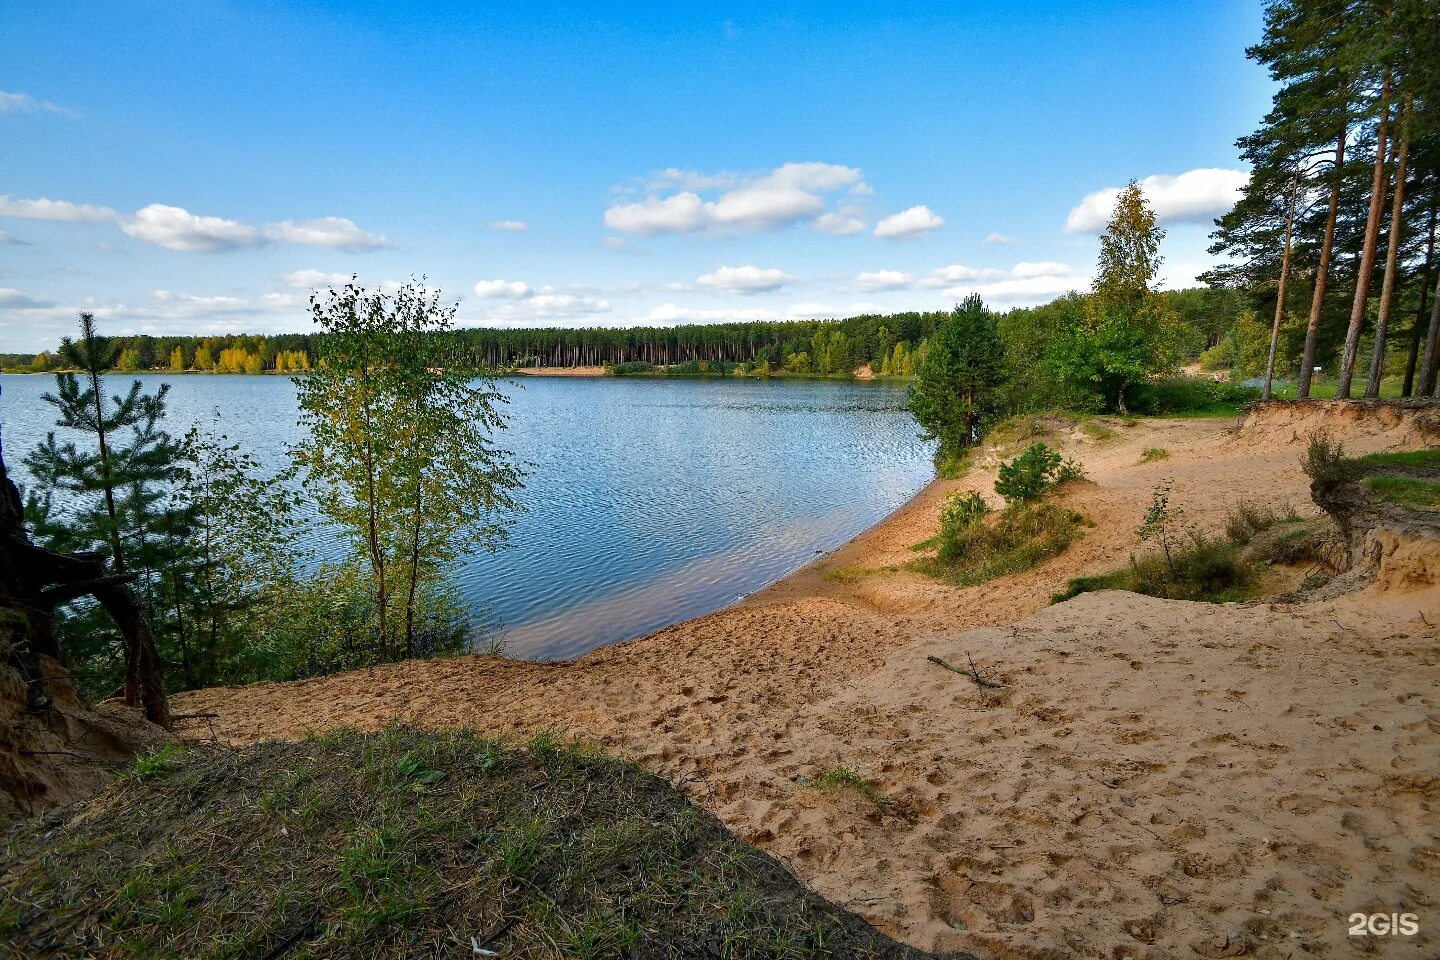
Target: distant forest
891, 344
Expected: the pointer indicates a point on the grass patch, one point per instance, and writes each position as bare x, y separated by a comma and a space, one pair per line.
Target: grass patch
156, 763
952, 467
1247, 518
854, 574
1406, 491
848, 778
1199, 568
972, 550
421, 842
1153, 454
1325, 387
1420, 459
1022, 428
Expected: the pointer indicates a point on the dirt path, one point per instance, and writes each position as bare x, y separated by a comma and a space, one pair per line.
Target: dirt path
1156, 779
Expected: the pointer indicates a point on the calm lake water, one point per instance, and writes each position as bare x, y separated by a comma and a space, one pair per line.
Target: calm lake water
647, 501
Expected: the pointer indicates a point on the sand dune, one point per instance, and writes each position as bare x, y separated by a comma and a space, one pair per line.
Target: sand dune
1156, 778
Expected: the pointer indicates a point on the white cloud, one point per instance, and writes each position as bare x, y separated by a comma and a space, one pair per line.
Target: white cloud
1178, 276
44, 208
958, 276
1018, 292
809, 311
502, 290
1046, 268
24, 103
999, 240
669, 313
7, 239
510, 226
958, 273
791, 193
306, 279
864, 307
541, 308
176, 228
15, 300
337, 232
870, 281
681, 213
839, 224
565, 305
912, 222
744, 279
202, 304
694, 180
1196, 195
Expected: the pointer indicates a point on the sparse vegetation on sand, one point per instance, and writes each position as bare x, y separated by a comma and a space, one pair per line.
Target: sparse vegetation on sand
848, 778
1151, 454
1409, 479
1198, 568
403, 844
1188, 565
972, 548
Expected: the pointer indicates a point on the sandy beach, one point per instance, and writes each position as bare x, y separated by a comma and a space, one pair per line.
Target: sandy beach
557, 372
1154, 779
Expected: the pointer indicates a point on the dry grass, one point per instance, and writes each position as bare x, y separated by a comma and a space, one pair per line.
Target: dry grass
403, 844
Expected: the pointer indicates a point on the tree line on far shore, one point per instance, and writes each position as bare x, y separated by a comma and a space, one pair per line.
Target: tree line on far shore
891, 344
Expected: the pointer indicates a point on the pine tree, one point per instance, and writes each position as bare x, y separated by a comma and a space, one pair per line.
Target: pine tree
116, 481
963, 365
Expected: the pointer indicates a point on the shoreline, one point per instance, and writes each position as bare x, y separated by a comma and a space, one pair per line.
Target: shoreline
1147, 778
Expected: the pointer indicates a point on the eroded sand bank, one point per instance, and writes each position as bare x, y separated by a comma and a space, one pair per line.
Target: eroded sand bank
1156, 778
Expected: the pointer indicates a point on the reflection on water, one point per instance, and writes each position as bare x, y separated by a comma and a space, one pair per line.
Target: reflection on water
647, 501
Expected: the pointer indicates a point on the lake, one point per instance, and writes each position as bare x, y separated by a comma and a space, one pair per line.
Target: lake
647, 501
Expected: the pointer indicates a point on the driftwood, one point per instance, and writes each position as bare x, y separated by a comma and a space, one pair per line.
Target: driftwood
980, 681
34, 581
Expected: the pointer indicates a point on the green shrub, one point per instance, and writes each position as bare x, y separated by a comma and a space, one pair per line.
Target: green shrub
1152, 454
1199, 568
630, 368
1327, 466
1248, 518
1026, 478
1294, 543
1068, 471
1181, 394
972, 550
961, 511
952, 466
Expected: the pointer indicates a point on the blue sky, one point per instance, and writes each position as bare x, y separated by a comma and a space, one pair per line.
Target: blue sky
198, 166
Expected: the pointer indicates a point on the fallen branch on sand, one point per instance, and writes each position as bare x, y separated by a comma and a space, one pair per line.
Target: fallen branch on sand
972, 673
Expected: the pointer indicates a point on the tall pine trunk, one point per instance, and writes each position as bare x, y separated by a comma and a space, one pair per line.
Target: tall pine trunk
1378, 184
1387, 287
1280, 293
1418, 324
1432, 346
1322, 272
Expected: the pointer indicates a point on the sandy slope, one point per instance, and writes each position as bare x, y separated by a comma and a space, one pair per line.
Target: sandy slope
1156, 778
